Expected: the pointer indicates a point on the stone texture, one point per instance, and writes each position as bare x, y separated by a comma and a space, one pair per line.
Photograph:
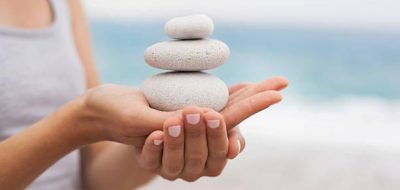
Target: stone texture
171, 91
187, 55
189, 27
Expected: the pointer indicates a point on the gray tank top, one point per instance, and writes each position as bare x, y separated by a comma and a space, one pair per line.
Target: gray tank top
40, 71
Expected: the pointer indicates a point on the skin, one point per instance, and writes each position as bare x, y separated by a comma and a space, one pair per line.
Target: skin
107, 120
180, 159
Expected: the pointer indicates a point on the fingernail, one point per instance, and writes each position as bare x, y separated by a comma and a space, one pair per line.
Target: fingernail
174, 131
239, 146
213, 123
158, 142
193, 118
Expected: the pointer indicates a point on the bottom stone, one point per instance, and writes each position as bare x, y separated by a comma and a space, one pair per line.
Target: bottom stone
171, 91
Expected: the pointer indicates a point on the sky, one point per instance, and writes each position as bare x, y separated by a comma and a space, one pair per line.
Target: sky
378, 14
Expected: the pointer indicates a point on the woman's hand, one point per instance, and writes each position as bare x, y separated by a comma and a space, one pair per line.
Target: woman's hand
201, 149
248, 94
246, 99
120, 114
193, 144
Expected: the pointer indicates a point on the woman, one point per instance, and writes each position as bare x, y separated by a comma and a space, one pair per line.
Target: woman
57, 135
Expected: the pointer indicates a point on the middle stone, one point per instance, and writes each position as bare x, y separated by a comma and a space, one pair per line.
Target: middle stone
187, 55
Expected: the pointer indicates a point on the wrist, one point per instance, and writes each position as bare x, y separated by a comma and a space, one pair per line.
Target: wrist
78, 123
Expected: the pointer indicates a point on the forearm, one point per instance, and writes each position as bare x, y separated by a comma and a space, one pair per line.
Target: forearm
26, 155
112, 166
102, 161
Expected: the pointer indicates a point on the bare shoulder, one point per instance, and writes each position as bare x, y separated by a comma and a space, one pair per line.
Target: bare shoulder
81, 34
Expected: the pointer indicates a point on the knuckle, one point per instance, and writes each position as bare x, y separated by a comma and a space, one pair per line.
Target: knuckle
174, 145
251, 105
193, 132
169, 177
217, 134
205, 110
151, 164
191, 178
128, 116
219, 153
247, 88
173, 170
196, 162
214, 173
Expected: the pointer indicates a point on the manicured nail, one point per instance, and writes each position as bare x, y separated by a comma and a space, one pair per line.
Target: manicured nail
239, 146
213, 123
174, 131
193, 118
158, 142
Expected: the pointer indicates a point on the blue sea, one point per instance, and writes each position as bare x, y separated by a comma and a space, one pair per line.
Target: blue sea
320, 64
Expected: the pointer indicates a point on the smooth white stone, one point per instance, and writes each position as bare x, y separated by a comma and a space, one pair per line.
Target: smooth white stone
189, 27
187, 55
172, 91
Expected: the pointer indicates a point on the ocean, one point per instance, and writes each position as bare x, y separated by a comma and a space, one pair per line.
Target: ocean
320, 64
339, 122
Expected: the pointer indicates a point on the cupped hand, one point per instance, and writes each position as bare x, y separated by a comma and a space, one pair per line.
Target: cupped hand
122, 114
192, 145
199, 150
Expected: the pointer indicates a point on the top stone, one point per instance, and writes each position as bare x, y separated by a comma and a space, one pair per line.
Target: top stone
189, 27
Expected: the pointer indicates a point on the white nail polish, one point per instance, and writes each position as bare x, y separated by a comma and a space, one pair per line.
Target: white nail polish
174, 131
239, 146
158, 142
193, 118
213, 123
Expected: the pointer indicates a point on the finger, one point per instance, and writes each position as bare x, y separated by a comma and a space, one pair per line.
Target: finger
195, 142
240, 111
151, 154
236, 87
138, 142
151, 119
236, 143
275, 83
173, 152
236, 130
205, 110
217, 140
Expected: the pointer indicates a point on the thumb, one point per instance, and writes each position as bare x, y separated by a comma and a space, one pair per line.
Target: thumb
152, 119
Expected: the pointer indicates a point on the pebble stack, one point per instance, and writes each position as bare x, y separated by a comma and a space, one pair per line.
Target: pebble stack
186, 56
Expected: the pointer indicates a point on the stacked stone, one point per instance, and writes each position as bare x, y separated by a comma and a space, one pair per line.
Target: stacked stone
187, 56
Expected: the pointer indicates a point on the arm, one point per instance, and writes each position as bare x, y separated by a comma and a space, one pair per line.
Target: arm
103, 160
105, 113
42, 144
26, 155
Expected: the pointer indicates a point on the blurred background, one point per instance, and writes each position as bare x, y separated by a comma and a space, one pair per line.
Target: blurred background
339, 124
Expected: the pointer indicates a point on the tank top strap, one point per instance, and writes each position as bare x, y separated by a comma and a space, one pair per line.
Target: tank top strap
61, 14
